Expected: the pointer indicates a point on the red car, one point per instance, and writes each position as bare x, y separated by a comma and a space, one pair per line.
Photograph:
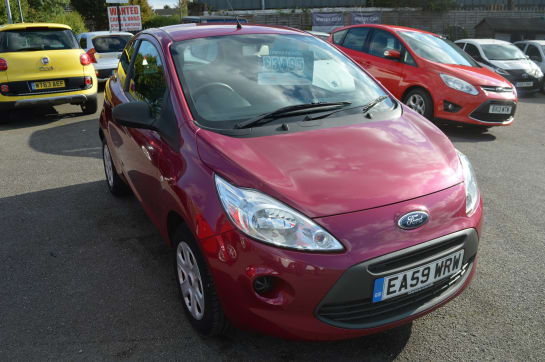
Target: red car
300, 202
430, 74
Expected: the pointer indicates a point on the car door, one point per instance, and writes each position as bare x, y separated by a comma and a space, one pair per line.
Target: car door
388, 71
142, 149
354, 43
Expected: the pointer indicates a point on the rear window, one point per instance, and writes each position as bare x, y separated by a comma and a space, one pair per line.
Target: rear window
110, 43
34, 39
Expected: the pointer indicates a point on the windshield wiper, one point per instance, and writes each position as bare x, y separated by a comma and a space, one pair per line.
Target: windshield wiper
267, 117
366, 108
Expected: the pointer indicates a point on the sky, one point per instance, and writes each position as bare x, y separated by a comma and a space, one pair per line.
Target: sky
158, 4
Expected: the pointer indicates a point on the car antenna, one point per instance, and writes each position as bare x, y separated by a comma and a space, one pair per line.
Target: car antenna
239, 25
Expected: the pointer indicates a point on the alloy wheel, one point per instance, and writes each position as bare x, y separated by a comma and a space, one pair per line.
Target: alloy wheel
417, 102
108, 165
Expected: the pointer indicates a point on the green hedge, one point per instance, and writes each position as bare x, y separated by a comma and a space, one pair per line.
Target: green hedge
158, 21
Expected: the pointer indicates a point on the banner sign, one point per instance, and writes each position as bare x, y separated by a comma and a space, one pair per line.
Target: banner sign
130, 18
365, 18
327, 22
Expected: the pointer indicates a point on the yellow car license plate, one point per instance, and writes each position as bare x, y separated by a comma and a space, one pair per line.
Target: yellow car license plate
49, 84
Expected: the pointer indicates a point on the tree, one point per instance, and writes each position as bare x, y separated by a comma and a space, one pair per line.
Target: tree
93, 12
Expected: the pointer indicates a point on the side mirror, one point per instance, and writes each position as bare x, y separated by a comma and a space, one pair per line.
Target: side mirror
134, 115
392, 54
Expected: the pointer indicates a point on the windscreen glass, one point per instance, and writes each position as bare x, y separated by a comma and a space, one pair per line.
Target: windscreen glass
231, 78
502, 52
110, 43
437, 50
35, 39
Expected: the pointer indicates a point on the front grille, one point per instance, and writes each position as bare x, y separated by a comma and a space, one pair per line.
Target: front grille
497, 89
365, 311
415, 256
24, 88
482, 112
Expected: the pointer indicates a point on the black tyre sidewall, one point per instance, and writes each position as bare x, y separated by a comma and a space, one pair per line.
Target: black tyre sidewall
429, 112
213, 321
91, 105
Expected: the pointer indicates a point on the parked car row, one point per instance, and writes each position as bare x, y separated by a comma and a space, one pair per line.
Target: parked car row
437, 79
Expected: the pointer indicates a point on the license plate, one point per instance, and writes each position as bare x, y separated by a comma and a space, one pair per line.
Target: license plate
412, 280
49, 84
497, 109
524, 84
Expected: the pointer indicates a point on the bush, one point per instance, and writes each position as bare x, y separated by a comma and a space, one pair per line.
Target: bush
73, 19
159, 21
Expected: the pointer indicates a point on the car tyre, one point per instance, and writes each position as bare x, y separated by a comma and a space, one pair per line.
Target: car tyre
116, 185
197, 290
90, 106
420, 101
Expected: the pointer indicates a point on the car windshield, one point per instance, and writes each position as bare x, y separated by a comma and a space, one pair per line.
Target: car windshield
436, 49
33, 39
110, 43
227, 79
502, 52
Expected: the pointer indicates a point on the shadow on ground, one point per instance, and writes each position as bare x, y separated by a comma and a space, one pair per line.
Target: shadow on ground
78, 139
466, 133
87, 275
22, 118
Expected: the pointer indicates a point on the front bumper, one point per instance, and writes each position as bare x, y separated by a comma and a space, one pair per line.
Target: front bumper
517, 77
306, 284
475, 109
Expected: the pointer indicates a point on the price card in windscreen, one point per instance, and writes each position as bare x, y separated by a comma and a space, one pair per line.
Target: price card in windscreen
286, 67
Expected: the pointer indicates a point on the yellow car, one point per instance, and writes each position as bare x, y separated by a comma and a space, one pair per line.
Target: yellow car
42, 64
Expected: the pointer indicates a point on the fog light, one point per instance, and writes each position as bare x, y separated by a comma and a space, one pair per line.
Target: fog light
451, 107
263, 284
4, 88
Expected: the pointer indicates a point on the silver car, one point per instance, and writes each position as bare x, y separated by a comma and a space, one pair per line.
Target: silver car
505, 59
535, 51
104, 48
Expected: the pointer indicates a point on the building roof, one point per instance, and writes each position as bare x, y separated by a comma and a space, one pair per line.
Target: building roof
508, 25
167, 12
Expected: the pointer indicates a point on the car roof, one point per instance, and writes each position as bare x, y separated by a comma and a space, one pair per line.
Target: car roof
483, 41
191, 31
540, 42
18, 26
102, 33
386, 27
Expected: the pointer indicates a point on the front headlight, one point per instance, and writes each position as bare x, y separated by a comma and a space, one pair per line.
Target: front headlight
536, 72
501, 71
263, 218
458, 84
470, 183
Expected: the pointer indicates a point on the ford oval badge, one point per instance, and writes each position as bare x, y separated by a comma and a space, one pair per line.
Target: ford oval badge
413, 220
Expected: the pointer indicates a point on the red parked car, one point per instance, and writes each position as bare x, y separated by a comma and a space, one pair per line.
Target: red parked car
430, 74
300, 202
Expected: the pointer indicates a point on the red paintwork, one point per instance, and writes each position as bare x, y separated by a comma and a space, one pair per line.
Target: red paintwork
399, 78
355, 181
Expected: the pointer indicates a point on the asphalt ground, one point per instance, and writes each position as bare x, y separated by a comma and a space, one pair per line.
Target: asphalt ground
86, 276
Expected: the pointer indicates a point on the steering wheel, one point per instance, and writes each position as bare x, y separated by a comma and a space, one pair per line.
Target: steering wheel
199, 91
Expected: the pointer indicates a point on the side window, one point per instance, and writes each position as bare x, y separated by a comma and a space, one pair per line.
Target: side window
355, 38
520, 46
83, 42
147, 81
473, 51
381, 41
533, 53
460, 45
339, 36
126, 56
408, 58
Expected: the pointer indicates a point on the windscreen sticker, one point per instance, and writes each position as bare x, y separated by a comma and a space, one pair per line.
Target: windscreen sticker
286, 67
